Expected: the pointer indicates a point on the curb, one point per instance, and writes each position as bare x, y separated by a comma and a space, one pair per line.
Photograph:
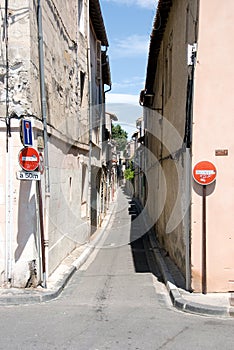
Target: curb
17, 296
177, 299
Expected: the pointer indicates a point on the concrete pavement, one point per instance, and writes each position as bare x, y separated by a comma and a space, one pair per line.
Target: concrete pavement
213, 304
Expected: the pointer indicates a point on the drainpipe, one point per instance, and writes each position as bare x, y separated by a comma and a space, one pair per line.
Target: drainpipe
45, 135
110, 87
9, 170
187, 219
9, 213
188, 161
90, 106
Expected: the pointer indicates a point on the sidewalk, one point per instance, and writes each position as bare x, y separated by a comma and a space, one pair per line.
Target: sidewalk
216, 304
212, 304
61, 276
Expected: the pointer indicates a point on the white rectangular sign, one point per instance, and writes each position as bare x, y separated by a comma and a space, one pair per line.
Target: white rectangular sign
28, 175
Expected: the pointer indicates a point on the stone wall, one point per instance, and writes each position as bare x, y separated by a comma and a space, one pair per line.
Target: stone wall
65, 56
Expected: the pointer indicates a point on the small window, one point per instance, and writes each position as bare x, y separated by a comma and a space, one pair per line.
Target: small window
84, 191
82, 82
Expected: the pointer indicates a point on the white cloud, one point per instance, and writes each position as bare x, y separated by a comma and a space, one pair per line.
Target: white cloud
134, 82
147, 4
123, 99
130, 46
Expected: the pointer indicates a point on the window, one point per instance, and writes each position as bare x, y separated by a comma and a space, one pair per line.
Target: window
99, 63
84, 190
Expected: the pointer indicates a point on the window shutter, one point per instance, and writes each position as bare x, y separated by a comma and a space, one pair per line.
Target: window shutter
99, 61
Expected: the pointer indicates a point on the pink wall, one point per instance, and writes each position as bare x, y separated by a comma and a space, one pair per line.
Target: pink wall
213, 129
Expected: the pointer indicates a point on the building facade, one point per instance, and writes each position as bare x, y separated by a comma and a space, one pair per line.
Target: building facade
54, 69
185, 123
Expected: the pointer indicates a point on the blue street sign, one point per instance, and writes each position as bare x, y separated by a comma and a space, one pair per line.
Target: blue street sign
27, 132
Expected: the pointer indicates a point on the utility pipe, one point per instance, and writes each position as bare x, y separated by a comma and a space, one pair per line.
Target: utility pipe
45, 135
9, 170
9, 213
90, 106
42, 236
187, 219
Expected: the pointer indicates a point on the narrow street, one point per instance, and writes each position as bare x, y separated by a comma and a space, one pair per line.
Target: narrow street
115, 301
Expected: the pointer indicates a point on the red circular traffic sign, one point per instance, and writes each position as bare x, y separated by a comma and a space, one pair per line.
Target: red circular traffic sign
29, 159
204, 172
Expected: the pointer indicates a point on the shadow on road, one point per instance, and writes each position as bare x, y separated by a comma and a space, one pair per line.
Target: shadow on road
142, 254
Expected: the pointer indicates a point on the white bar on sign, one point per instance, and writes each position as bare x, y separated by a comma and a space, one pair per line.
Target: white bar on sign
29, 159
205, 172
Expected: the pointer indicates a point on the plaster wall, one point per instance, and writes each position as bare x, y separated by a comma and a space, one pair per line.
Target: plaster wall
213, 130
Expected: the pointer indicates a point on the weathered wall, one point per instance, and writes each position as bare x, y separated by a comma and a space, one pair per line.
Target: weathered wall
66, 227
18, 221
166, 128
65, 53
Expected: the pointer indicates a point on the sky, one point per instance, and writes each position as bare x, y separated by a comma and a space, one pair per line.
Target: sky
128, 25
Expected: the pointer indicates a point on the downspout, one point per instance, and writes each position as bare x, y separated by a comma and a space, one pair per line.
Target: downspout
188, 166
108, 164
45, 135
90, 106
110, 87
9, 169
188, 144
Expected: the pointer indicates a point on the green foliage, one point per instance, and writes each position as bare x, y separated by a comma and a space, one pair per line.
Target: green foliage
120, 136
129, 172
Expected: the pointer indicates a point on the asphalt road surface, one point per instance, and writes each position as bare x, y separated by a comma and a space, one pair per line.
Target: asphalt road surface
115, 301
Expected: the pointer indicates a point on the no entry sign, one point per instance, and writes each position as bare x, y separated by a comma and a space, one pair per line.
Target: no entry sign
29, 159
204, 173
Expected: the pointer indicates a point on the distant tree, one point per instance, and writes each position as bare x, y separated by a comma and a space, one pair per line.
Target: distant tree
129, 172
120, 136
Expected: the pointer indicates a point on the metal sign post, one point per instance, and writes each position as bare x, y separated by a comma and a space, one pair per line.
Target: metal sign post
42, 235
204, 173
204, 278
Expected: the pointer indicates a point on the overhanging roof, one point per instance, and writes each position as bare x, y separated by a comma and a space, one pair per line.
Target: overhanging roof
159, 26
97, 21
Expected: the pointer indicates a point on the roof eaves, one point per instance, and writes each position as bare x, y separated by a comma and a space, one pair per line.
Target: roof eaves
156, 37
97, 22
